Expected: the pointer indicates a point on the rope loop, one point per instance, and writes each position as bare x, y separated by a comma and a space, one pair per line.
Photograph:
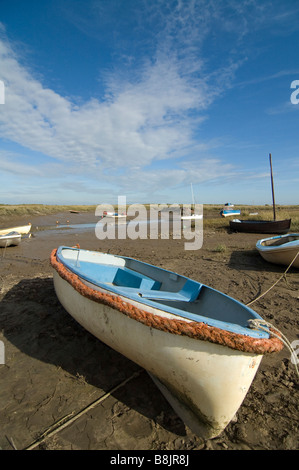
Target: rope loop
266, 326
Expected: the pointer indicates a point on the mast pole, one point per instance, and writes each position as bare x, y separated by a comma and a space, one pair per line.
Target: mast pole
272, 185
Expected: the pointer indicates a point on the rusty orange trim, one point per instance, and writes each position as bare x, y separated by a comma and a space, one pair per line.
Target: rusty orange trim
195, 330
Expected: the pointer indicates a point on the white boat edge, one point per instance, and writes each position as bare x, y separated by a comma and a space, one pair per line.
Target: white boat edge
12, 238
23, 229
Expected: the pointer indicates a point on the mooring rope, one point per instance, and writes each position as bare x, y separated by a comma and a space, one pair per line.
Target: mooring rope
264, 325
70, 418
276, 282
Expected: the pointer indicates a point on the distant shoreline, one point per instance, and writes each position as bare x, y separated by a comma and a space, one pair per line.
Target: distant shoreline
9, 214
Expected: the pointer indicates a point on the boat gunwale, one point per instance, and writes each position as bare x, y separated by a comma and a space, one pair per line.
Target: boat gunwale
262, 244
192, 329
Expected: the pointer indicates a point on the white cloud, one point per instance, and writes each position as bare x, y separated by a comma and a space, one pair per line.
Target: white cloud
141, 120
147, 116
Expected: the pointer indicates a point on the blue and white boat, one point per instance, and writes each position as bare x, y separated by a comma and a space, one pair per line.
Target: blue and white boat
282, 249
228, 210
196, 343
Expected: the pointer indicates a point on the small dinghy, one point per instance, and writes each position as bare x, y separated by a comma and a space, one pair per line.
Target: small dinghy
260, 226
23, 230
228, 210
280, 250
195, 342
12, 238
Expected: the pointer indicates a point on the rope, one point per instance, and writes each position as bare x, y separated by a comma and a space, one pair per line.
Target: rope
69, 419
264, 325
262, 295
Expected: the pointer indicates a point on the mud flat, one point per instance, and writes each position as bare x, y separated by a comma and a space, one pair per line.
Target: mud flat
63, 386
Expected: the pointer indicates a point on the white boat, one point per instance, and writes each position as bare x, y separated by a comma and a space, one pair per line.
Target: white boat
281, 249
12, 238
192, 215
194, 341
228, 210
114, 215
23, 229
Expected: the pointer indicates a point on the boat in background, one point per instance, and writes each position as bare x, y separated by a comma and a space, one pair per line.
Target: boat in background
192, 215
195, 342
114, 215
228, 210
263, 226
280, 250
11, 238
23, 229
260, 226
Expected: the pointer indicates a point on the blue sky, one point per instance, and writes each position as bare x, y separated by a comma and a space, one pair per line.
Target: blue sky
143, 97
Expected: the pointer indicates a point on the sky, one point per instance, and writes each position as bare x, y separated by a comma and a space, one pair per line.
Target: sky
141, 98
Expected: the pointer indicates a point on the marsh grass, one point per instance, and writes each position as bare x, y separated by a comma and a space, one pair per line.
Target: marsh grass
22, 210
220, 248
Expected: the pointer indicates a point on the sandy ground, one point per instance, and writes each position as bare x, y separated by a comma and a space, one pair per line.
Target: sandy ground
54, 369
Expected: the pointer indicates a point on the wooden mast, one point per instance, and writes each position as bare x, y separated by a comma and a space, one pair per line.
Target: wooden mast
272, 184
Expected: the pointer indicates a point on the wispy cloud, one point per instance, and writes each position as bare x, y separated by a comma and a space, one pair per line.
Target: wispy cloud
139, 122
148, 114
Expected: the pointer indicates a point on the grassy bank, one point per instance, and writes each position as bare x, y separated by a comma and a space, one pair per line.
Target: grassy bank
23, 210
212, 218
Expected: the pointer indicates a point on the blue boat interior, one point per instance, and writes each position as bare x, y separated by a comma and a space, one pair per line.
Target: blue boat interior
163, 289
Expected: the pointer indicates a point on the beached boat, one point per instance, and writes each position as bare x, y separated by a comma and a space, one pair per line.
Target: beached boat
12, 238
263, 226
280, 250
194, 341
191, 216
23, 229
260, 226
114, 215
229, 212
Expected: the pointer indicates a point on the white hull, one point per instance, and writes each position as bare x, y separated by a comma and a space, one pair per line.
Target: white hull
230, 214
10, 239
192, 217
23, 230
203, 381
280, 250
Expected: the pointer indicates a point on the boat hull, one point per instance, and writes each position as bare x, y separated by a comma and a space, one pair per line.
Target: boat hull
280, 250
229, 213
203, 381
11, 239
261, 226
23, 230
